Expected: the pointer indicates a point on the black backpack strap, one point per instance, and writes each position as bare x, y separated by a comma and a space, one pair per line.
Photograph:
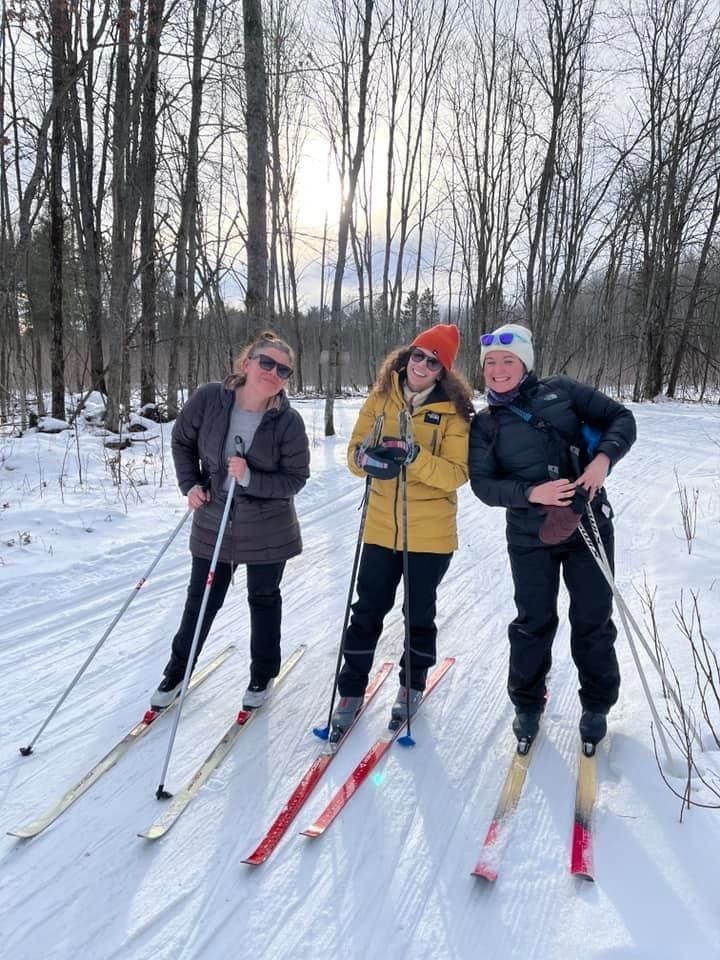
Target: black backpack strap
546, 427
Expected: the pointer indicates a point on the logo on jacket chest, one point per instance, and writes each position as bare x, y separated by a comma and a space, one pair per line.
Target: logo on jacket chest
432, 416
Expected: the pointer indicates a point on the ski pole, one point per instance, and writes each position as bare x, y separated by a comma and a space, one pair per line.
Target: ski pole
324, 732
26, 751
638, 631
161, 793
406, 432
599, 555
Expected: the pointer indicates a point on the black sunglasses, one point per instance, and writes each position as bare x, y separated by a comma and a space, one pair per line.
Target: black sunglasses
267, 363
432, 363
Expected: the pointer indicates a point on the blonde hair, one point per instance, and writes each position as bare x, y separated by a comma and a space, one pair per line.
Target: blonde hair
265, 339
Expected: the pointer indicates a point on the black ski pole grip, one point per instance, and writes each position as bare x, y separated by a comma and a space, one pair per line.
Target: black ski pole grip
239, 447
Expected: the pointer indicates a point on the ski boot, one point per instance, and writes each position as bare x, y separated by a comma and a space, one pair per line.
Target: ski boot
169, 687
525, 727
593, 727
399, 710
343, 717
256, 694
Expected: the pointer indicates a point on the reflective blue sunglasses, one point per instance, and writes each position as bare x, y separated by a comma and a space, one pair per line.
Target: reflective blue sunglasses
488, 339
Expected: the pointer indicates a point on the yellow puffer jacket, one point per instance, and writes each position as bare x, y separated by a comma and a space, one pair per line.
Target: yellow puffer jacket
439, 469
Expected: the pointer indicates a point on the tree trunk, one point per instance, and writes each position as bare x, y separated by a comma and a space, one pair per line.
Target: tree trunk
335, 345
118, 370
58, 15
256, 126
147, 163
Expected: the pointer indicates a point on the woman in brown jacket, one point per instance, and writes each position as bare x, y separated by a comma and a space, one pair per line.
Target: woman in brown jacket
242, 428
419, 380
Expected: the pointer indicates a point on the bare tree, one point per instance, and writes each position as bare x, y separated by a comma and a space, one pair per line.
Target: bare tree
147, 163
257, 165
678, 46
353, 31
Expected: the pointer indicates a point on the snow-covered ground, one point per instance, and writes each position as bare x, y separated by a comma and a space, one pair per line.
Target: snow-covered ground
392, 875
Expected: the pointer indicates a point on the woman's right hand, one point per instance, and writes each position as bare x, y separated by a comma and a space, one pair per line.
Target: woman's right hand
197, 497
554, 493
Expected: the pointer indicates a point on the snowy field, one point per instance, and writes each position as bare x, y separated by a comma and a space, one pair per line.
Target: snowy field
391, 878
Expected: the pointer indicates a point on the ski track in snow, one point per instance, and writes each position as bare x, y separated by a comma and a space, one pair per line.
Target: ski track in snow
391, 877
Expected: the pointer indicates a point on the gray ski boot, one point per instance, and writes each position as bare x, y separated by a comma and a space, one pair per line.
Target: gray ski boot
343, 716
399, 711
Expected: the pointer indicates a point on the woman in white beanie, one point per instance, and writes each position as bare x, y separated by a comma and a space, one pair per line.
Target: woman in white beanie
523, 456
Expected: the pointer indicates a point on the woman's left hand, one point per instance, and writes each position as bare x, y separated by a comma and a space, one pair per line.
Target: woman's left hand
595, 474
237, 467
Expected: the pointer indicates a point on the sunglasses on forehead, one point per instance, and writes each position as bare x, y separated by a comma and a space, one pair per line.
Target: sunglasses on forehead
432, 363
488, 339
267, 364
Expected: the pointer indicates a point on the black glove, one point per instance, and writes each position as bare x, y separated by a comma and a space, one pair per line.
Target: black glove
385, 460
406, 451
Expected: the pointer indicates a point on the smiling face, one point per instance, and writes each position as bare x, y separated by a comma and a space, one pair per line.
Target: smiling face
419, 376
265, 383
503, 371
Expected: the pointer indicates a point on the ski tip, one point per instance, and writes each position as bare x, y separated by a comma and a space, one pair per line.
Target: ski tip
253, 861
484, 872
406, 741
311, 832
584, 876
149, 835
322, 733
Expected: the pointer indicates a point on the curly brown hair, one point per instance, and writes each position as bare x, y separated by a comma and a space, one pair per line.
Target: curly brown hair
456, 387
265, 339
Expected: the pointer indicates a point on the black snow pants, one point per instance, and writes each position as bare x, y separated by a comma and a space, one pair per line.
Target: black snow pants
536, 576
264, 600
379, 574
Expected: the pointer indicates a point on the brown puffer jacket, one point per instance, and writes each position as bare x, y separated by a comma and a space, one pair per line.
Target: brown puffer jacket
262, 526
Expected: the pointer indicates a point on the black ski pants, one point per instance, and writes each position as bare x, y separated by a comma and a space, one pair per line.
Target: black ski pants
264, 600
379, 574
536, 576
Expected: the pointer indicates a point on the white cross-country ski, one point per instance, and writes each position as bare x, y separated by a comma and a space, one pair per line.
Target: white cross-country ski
111, 758
496, 839
182, 798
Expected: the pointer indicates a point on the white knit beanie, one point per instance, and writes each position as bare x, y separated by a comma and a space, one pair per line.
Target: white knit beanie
520, 344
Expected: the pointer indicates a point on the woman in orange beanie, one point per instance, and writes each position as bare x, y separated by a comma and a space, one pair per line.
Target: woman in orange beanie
419, 380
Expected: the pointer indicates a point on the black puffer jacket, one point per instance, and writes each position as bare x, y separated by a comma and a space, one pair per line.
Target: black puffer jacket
263, 526
509, 456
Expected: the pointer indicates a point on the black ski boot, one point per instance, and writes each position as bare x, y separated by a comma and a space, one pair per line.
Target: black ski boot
525, 727
593, 727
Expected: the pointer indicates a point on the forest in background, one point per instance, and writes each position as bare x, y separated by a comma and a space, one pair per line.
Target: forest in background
177, 174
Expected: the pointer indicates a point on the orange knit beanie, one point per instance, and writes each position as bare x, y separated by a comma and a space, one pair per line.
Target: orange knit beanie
442, 340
